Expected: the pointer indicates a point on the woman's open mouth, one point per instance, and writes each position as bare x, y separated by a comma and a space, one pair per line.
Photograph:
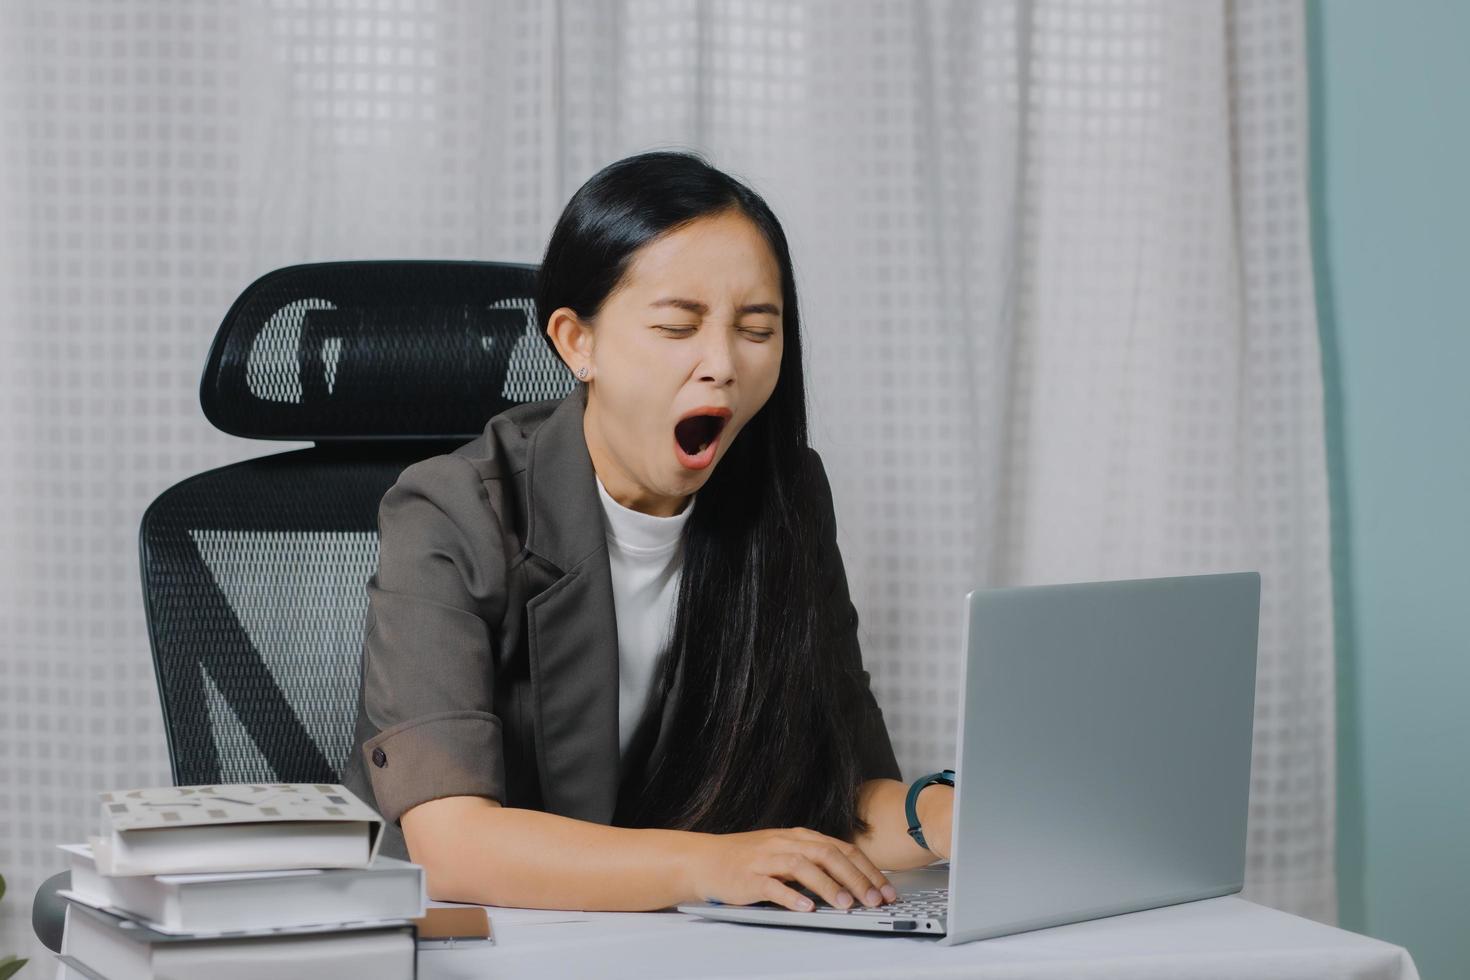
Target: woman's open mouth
697, 436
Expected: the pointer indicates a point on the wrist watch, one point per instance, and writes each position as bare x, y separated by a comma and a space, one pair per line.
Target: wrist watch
910, 803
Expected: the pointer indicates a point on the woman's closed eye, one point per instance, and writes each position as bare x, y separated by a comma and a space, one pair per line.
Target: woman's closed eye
752, 332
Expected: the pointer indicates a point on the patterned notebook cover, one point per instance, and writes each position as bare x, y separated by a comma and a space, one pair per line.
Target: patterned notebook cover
158, 807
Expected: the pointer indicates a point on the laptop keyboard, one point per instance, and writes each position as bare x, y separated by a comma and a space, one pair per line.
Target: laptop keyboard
928, 903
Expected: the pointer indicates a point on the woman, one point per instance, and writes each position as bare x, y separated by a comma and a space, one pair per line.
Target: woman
611, 661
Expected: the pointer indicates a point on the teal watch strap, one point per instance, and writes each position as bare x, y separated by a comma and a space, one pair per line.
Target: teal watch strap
910, 803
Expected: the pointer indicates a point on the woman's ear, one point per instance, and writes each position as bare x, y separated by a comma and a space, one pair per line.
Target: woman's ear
572, 339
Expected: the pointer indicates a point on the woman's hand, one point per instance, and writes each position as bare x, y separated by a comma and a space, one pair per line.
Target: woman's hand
741, 869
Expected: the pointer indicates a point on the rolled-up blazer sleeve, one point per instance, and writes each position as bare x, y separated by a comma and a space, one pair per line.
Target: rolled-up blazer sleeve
428, 658
870, 735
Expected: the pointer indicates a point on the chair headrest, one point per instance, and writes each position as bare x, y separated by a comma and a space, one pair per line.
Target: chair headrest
381, 350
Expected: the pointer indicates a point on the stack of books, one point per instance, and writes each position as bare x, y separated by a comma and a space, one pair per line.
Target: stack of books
277, 880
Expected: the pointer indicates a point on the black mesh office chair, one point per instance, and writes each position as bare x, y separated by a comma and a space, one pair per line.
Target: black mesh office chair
254, 573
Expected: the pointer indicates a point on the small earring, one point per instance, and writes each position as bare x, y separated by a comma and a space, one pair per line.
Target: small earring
582, 373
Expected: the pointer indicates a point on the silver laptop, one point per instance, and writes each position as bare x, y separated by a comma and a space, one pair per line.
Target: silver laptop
1104, 759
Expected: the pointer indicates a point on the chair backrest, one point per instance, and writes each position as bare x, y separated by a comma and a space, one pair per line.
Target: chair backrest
254, 573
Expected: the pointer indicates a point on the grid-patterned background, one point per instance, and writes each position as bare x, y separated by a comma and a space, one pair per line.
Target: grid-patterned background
1054, 269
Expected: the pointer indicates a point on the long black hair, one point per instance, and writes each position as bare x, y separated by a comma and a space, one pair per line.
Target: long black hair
758, 740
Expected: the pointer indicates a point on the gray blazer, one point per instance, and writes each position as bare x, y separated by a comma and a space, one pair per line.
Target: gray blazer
490, 652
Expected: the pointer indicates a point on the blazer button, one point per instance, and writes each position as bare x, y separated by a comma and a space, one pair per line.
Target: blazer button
380, 758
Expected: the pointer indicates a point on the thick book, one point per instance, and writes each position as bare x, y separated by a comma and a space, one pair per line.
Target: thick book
102, 944
234, 900
234, 827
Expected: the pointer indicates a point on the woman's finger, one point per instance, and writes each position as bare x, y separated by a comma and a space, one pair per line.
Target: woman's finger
841, 867
878, 878
856, 855
810, 874
774, 891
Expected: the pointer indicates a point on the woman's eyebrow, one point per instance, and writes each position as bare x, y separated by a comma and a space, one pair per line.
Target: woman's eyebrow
694, 306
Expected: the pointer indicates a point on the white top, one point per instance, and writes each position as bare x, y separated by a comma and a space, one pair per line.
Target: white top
646, 557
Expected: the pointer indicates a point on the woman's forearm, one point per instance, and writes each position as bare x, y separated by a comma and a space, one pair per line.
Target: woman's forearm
887, 842
474, 850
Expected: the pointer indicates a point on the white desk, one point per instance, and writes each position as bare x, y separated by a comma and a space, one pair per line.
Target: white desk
1219, 938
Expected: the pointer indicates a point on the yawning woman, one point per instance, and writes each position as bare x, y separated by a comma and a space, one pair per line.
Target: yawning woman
611, 661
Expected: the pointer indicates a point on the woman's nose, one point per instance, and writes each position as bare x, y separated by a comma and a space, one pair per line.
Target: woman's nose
718, 362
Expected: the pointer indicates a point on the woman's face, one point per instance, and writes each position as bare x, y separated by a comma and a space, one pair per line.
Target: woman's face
693, 333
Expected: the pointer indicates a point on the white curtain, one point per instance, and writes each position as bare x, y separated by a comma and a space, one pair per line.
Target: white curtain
1053, 260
